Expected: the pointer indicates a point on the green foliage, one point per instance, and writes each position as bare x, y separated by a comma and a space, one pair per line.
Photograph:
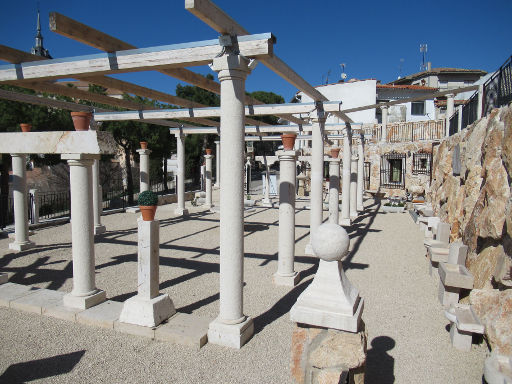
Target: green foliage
198, 95
148, 198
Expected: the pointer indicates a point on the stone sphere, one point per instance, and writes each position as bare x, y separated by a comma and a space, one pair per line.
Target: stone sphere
330, 242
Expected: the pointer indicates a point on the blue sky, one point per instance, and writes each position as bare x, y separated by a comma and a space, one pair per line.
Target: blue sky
313, 37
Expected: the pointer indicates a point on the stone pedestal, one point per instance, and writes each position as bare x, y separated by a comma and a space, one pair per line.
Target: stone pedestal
97, 198
148, 308
286, 274
208, 170
317, 174
180, 149
384, 132
353, 188
144, 168
217, 164
345, 188
231, 328
360, 174
330, 301
84, 293
19, 193
334, 190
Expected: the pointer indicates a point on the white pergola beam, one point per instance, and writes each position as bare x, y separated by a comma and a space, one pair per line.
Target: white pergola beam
178, 55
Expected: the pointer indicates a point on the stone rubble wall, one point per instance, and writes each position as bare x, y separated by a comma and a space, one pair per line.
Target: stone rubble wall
478, 206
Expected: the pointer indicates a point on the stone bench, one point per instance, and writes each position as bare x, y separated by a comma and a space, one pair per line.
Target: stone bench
453, 275
455, 253
440, 236
463, 323
498, 369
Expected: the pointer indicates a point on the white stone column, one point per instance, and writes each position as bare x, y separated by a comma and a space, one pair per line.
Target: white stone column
217, 164
345, 187
266, 202
97, 198
286, 274
180, 149
480, 107
34, 208
353, 187
209, 161
449, 112
231, 328
19, 194
84, 293
360, 174
148, 308
144, 168
334, 190
459, 120
317, 175
384, 131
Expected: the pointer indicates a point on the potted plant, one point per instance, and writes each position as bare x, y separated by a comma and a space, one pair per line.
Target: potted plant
148, 202
81, 120
25, 127
208, 151
288, 140
335, 151
143, 145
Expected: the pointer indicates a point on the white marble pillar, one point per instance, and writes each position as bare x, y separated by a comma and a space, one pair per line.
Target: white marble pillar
148, 308
459, 120
286, 274
19, 194
360, 174
208, 171
334, 190
353, 187
480, 107
449, 112
180, 149
317, 174
217, 164
384, 131
345, 187
144, 168
266, 202
84, 293
97, 198
231, 328
34, 208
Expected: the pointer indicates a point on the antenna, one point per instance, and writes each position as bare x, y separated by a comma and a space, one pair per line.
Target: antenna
327, 77
400, 68
423, 50
343, 74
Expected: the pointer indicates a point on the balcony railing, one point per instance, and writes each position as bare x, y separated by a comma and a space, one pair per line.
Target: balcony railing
408, 131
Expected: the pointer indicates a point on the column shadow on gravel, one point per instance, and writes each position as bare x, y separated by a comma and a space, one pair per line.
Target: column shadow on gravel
380, 366
40, 369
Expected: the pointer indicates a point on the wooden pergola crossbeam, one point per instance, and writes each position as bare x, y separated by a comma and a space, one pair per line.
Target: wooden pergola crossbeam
221, 22
85, 34
179, 55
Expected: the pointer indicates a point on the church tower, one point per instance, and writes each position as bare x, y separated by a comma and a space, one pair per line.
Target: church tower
38, 49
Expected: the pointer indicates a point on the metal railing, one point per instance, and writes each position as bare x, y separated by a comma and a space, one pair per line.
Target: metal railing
454, 123
6, 211
53, 205
470, 111
408, 131
498, 89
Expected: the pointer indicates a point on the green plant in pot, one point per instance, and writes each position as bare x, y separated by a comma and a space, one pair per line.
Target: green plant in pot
148, 202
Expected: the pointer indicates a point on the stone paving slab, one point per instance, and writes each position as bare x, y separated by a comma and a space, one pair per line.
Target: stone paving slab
12, 291
60, 311
102, 315
35, 302
184, 329
134, 329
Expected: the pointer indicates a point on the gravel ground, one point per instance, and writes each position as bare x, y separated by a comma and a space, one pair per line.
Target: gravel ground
409, 342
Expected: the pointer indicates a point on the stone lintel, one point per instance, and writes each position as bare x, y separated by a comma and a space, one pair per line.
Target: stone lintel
79, 156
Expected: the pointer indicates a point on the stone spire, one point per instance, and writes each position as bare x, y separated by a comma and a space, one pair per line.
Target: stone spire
38, 49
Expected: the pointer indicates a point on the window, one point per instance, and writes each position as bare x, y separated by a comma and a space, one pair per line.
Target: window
418, 108
392, 170
421, 163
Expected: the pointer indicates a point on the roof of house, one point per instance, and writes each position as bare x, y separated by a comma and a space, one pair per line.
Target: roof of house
406, 86
437, 71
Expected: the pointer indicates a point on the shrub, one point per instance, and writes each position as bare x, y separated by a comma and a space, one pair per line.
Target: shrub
147, 198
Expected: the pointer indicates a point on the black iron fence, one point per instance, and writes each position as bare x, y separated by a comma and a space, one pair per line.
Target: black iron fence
6, 211
422, 163
53, 205
392, 170
454, 123
470, 111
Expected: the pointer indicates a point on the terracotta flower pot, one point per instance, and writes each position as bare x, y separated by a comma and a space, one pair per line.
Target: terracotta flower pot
81, 120
143, 145
148, 212
25, 127
335, 152
288, 140
208, 151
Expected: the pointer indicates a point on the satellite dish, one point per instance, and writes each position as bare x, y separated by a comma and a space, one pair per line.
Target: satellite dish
343, 76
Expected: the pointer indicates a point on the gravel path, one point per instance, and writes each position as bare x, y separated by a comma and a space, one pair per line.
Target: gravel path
406, 326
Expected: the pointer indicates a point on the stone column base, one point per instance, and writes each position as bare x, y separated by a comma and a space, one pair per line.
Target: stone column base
230, 335
99, 229
321, 355
360, 208
181, 211
4, 277
15, 246
147, 313
353, 216
12, 235
286, 281
345, 222
309, 250
267, 203
84, 302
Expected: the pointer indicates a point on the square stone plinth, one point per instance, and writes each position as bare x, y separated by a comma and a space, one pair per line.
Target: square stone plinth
345, 222
286, 281
230, 335
4, 277
18, 247
11, 291
184, 329
147, 313
84, 302
102, 315
35, 302
99, 229
181, 212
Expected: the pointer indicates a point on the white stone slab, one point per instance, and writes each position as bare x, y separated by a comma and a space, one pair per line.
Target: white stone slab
12, 291
438, 254
134, 329
102, 315
455, 275
60, 311
184, 329
35, 302
230, 335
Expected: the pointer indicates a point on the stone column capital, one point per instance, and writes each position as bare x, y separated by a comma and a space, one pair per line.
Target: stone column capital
287, 155
208, 157
318, 117
217, 142
450, 95
337, 160
231, 66
144, 151
79, 159
384, 107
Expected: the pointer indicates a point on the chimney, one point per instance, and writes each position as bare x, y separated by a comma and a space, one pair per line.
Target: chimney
429, 66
